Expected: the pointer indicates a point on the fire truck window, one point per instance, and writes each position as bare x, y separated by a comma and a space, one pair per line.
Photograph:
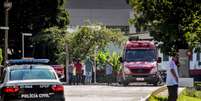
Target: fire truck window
140, 55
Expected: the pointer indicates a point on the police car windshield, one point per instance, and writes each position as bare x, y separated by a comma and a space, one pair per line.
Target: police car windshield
31, 74
135, 55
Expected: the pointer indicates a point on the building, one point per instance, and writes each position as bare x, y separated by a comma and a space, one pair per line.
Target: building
112, 13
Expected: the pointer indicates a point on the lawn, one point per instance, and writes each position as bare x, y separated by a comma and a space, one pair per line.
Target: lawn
186, 95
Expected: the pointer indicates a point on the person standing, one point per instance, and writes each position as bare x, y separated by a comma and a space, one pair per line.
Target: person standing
83, 73
70, 72
78, 67
108, 72
88, 67
172, 79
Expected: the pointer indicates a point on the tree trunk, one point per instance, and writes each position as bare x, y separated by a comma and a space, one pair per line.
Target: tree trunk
184, 63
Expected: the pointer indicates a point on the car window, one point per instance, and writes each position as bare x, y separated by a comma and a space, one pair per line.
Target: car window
29, 74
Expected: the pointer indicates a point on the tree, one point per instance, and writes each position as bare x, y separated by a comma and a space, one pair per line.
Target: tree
91, 38
166, 20
193, 31
51, 43
32, 16
81, 43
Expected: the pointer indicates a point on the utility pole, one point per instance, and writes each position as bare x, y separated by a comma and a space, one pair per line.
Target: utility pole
7, 6
67, 63
95, 68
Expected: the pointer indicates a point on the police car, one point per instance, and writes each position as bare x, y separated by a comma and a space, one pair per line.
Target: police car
30, 80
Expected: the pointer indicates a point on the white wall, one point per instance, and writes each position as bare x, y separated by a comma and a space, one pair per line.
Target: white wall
113, 17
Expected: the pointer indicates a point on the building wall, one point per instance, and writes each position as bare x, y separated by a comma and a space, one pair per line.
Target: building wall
108, 17
112, 13
97, 4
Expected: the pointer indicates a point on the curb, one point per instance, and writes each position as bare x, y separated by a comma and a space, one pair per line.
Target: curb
157, 91
161, 89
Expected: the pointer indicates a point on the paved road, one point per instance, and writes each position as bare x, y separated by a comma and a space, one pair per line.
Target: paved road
107, 93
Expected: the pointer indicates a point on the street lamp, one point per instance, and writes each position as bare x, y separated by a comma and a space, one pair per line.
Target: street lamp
24, 34
7, 6
5, 44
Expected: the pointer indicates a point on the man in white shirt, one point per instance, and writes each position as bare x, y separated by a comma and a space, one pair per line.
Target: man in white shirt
172, 78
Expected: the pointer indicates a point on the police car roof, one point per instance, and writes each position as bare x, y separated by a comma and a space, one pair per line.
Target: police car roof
29, 66
27, 61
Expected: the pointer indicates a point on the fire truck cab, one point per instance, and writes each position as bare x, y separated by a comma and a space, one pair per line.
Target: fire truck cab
140, 63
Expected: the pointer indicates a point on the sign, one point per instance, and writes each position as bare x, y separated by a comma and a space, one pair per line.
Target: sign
4, 28
186, 82
27, 34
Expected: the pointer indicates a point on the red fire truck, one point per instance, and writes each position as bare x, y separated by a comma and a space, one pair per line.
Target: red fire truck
140, 63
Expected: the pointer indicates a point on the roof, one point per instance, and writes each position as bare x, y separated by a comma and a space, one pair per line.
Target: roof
97, 4
140, 45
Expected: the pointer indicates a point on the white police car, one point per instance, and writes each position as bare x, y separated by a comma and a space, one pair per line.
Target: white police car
30, 80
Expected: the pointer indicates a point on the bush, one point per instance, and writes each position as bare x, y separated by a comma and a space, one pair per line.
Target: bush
198, 86
191, 92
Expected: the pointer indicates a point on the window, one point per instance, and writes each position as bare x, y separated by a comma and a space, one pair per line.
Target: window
29, 74
140, 55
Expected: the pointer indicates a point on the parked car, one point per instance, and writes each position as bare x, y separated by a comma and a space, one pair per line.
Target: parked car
59, 69
30, 81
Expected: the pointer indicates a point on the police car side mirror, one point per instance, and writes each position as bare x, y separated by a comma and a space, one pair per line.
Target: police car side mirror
159, 60
121, 60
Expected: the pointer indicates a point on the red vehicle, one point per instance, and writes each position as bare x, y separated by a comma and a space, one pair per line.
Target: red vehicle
140, 63
59, 70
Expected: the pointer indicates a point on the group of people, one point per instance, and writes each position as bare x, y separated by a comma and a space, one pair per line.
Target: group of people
80, 72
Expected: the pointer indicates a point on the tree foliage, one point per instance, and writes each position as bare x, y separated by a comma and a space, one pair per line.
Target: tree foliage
166, 20
113, 59
91, 38
32, 16
84, 42
53, 41
193, 31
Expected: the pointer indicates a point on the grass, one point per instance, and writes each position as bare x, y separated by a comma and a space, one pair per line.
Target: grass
191, 92
188, 98
186, 95
157, 98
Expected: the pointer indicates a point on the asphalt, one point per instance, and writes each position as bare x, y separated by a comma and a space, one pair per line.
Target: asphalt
108, 93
